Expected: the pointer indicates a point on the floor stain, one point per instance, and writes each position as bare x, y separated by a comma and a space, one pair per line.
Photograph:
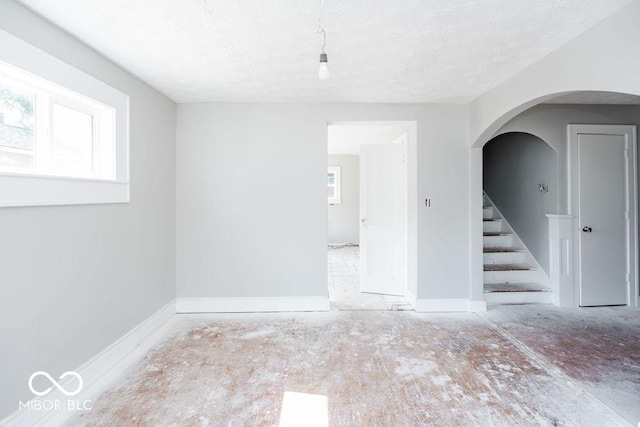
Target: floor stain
376, 369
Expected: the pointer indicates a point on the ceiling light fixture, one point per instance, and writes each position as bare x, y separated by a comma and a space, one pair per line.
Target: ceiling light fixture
323, 72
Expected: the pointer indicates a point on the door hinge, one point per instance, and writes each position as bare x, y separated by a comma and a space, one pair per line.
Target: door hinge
626, 153
626, 215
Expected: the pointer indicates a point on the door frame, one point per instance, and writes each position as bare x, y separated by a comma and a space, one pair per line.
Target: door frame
630, 133
411, 205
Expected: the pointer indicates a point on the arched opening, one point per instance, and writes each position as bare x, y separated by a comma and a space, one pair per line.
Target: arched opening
547, 118
520, 185
583, 97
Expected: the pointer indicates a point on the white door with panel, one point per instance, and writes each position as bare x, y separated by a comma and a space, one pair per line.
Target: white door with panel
383, 219
604, 205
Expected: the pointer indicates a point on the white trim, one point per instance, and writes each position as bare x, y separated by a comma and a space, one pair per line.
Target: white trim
630, 132
411, 298
476, 255
45, 191
251, 305
18, 189
477, 306
561, 253
102, 370
448, 305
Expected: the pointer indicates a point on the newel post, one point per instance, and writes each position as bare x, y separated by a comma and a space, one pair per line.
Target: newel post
561, 258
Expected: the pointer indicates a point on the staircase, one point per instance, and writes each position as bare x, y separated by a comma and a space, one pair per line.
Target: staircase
511, 274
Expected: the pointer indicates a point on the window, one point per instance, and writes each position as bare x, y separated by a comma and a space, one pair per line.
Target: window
63, 134
47, 130
333, 182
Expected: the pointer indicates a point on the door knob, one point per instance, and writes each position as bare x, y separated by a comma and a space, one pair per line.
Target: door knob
587, 229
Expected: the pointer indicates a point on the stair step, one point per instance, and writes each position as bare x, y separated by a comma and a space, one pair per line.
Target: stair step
491, 219
489, 250
515, 287
517, 293
492, 226
497, 241
503, 258
510, 276
495, 233
507, 267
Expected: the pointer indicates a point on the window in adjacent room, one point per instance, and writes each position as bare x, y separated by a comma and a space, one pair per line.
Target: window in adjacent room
333, 182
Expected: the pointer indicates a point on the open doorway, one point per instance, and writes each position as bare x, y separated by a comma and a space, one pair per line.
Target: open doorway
520, 187
367, 179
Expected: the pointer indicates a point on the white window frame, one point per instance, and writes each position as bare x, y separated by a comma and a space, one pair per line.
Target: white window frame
337, 185
24, 189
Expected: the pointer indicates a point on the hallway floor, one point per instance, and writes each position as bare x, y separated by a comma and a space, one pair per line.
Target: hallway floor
514, 365
344, 284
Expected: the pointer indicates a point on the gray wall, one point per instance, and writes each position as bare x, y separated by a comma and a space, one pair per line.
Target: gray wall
549, 123
74, 279
513, 166
344, 219
252, 210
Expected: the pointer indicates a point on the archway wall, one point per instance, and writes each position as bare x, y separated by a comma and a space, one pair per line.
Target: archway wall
604, 58
514, 163
549, 123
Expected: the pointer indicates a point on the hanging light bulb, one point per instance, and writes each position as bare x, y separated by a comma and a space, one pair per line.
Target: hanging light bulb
323, 72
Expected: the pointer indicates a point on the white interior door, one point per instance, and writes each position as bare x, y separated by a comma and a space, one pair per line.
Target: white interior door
605, 202
382, 219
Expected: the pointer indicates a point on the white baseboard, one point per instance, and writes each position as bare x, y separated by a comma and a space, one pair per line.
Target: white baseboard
449, 305
477, 306
411, 298
100, 371
251, 305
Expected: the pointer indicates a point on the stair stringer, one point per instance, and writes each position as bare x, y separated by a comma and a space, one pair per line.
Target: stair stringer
541, 275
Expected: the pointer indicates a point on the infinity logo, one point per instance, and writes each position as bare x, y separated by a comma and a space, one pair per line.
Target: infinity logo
55, 383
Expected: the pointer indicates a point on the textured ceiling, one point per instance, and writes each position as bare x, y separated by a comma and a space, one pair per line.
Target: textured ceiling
595, 97
379, 50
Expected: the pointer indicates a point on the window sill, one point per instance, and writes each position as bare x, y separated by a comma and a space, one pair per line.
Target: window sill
17, 190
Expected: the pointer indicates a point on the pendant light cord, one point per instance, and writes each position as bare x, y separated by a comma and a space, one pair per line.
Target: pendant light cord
324, 36
321, 26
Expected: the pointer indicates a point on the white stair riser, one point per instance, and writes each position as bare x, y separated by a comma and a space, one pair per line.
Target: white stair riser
497, 241
517, 297
503, 258
487, 213
492, 226
518, 276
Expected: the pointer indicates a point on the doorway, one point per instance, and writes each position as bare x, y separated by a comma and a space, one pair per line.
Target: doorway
367, 179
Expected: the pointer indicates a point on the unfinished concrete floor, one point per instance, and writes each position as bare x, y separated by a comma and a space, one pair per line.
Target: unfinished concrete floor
344, 284
515, 365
